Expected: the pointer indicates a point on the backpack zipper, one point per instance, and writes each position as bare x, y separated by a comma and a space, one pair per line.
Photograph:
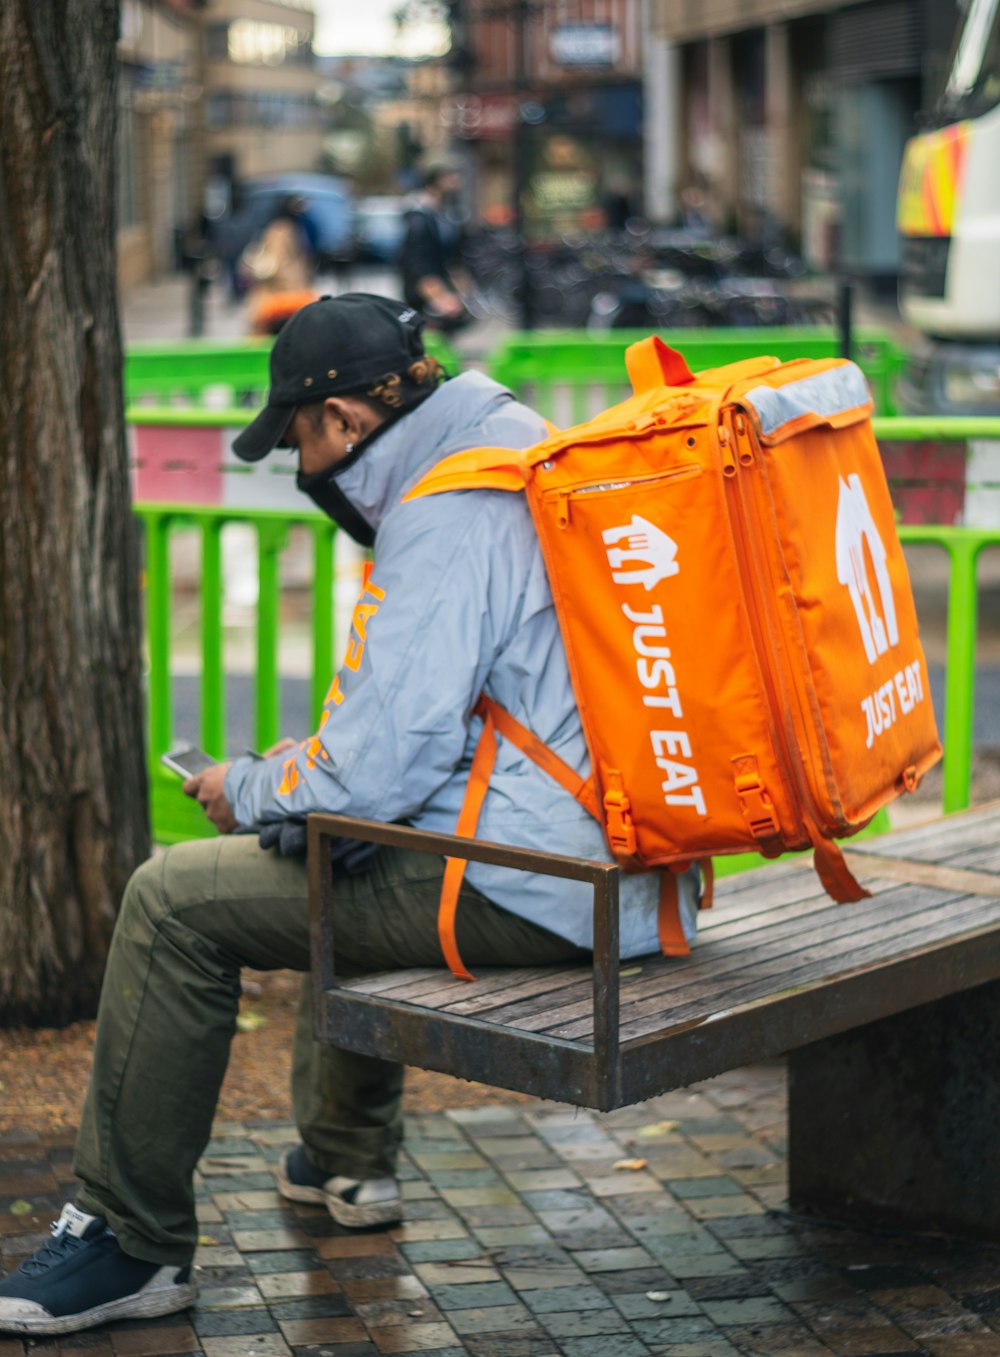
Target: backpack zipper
567, 493
738, 461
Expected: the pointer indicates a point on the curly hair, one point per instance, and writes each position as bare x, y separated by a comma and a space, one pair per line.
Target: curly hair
385, 395
424, 371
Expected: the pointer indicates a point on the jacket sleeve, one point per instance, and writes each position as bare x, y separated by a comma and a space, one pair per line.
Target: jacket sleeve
394, 726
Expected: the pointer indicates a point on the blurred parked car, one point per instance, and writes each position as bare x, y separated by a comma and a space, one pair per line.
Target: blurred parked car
328, 207
379, 223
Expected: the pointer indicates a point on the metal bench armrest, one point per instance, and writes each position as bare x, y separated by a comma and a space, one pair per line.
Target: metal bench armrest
602, 876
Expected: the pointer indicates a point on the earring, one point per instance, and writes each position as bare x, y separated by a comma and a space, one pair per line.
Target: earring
348, 448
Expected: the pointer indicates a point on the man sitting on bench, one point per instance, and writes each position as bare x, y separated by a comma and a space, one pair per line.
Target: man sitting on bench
458, 604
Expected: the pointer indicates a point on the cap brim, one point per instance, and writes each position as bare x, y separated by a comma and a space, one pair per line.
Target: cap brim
264, 433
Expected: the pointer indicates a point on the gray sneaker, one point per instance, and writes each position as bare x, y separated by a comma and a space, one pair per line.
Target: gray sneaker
360, 1204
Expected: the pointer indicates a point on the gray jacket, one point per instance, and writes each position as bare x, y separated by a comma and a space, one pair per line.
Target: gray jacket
458, 603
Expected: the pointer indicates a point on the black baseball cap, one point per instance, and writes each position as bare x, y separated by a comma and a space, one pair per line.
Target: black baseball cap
333, 347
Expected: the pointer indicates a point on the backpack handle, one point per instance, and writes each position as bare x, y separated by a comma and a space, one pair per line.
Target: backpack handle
651, 363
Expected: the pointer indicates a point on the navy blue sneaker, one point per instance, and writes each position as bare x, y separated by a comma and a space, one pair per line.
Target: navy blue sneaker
81, 1278
360, 1204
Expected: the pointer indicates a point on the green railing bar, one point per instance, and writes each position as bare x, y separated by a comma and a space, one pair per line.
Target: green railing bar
213, 677
189, 416
536, 361
158, 629
960, 675
931, 428
324, 535
194, 513
964, 547
918, 428
272, 538
185, 369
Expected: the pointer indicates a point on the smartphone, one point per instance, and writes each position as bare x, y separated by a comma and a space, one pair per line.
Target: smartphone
187, 760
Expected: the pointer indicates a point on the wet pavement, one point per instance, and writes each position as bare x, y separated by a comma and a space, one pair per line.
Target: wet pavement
539, 1229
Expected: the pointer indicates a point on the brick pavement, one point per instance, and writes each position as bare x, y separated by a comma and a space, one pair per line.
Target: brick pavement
530, 1233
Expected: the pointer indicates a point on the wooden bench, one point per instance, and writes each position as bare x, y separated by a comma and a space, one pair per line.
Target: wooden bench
889, 1010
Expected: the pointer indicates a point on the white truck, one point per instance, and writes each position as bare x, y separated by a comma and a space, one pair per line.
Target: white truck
948, 215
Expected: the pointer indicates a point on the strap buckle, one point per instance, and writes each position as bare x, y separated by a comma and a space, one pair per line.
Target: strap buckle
755, 803
617, 817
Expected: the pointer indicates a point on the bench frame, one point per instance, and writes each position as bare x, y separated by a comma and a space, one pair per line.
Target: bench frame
893, 1097
473, 1049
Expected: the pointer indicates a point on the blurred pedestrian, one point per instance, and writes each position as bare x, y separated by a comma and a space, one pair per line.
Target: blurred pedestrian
430, 258
279, 267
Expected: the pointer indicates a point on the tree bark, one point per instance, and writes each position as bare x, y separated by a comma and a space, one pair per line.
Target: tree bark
73, 798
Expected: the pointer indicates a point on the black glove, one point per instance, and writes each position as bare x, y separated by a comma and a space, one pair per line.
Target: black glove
287, 836
348, 857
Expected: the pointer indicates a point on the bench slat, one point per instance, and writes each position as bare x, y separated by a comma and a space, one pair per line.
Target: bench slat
815, 967
435, 988
937, 840
669, 981
776, 965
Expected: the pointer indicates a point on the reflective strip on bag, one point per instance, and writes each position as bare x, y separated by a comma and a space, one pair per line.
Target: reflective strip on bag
837, 396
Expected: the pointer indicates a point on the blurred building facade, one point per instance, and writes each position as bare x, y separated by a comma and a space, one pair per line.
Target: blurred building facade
210, 92
549, 96
261, 85
159, 147
384, 117
789, 117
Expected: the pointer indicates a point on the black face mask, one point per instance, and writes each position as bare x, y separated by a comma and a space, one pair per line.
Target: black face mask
326, 494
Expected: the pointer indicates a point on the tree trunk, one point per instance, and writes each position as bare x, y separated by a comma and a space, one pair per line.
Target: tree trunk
73, 799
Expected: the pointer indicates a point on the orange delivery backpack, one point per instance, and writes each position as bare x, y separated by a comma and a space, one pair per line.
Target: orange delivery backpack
737, 616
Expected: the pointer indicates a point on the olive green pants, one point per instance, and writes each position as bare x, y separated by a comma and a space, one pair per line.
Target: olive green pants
190, 919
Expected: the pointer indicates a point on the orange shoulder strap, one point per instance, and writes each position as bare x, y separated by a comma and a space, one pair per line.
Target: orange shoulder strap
521, 737
495, 718
483, 468
474, 469
468, 817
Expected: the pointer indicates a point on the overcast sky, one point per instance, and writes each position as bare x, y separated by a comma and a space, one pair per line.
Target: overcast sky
366, 26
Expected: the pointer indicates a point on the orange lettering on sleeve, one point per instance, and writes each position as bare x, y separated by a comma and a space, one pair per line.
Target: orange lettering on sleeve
291, 779
314, 745
360, 619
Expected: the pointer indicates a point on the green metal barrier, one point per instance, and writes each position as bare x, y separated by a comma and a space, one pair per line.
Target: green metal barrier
175, 817
218, 373
570, 375
964, 547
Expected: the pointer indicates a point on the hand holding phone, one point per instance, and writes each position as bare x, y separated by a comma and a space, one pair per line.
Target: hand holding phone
187, 761
209, 792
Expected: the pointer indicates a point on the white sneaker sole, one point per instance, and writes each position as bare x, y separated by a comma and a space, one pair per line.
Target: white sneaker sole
296, 1192
363, 1217
141, 1305
346, 1213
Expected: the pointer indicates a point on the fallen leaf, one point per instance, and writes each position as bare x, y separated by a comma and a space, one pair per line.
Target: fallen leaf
251, 1022
629, 1165
414, 1314
630, 970
658, 1295
20, 1207
655, 1129
206, 1241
